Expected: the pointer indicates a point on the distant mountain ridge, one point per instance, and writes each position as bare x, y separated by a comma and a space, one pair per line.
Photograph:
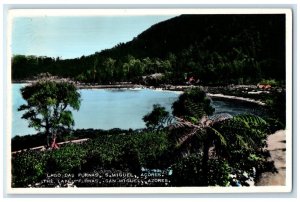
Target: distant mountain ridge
243, 48
179, 32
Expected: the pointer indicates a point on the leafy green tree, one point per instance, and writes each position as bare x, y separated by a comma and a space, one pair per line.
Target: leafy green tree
156, 118
48, 106
192, 105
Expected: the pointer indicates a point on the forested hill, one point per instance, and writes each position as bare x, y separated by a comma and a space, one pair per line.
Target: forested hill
213, 49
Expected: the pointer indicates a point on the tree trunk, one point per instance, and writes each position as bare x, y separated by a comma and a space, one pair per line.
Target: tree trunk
54, 145
48, 135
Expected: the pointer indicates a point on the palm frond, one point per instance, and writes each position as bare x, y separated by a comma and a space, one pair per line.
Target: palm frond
190, 130
246, 130
241, 141
169, 120
250, 120
184, 138
220, 136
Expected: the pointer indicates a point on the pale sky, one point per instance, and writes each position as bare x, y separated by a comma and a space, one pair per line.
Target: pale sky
71, 37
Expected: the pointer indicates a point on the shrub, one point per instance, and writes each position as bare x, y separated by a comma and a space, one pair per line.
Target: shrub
271, 82
126, 152
28, 167
188, 172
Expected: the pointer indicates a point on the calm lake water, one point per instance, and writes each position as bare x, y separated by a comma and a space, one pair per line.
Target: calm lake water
107, 108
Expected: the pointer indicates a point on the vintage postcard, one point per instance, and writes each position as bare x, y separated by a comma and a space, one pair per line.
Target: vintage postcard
149, 101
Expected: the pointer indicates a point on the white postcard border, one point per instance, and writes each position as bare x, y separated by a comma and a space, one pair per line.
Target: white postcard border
157, 190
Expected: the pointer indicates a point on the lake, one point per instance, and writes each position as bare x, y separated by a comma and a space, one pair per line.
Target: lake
113, 108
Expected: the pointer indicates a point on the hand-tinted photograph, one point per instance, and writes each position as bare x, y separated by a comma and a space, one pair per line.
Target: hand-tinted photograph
147, 100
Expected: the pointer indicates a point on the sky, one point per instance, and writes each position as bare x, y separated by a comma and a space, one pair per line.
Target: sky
74, 36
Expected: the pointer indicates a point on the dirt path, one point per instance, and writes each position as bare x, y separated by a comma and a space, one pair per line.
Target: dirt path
277, 147
42, 148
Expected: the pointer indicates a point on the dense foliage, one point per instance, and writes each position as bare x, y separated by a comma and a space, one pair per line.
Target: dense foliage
30, 141
46, 105
277, 109
235, 142
195, 150
193, 105
188, 171
211, 49
157, 118
126, 152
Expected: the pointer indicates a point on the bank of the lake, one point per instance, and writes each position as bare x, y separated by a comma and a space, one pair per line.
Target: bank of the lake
151, 148
124, 105
103, 108
243, 93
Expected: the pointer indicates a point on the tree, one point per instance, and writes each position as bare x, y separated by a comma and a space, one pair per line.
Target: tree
193, 105
240, 141
156, 118
48, 106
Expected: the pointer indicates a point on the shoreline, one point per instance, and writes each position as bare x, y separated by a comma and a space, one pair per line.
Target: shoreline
166, 87
236, 98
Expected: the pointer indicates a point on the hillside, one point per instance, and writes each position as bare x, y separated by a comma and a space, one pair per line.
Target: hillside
213, 49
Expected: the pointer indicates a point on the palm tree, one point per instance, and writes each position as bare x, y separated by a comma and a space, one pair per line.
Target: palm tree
219, 136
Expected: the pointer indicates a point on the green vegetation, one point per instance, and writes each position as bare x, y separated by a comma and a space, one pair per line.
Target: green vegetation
221, 138
192, 105
157, 118
271, 82
189, 172
197, 149
30, 141
276, 106
47, 102
213, 49
126, 152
